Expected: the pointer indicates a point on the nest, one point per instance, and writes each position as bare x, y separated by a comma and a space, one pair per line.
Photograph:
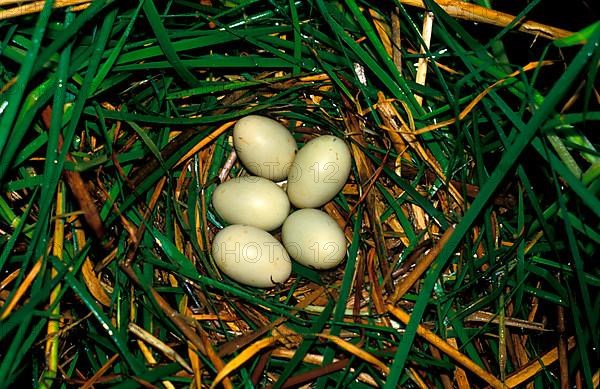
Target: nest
471, 211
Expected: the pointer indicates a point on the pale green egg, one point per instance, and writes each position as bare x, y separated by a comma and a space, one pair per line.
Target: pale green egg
264, 146
319, 172
251, 200
314, 239
251, 256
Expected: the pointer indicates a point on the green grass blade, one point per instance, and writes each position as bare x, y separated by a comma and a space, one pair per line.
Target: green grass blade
165, 43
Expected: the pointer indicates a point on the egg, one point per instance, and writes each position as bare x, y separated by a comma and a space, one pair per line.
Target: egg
314, 239
251, 256
251, 200
320, 170
264, 146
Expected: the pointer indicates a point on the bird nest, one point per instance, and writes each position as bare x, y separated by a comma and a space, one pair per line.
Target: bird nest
470, 213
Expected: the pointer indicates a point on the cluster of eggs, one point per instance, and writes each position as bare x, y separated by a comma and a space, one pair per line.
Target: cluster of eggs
254, 206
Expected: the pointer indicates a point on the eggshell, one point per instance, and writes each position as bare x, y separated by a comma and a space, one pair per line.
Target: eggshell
319, 172
251, 200
251, 256
264, 146
314, 239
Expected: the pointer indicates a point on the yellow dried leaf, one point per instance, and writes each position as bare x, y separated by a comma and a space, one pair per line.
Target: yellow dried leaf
357, 351
242, 358
93, 284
